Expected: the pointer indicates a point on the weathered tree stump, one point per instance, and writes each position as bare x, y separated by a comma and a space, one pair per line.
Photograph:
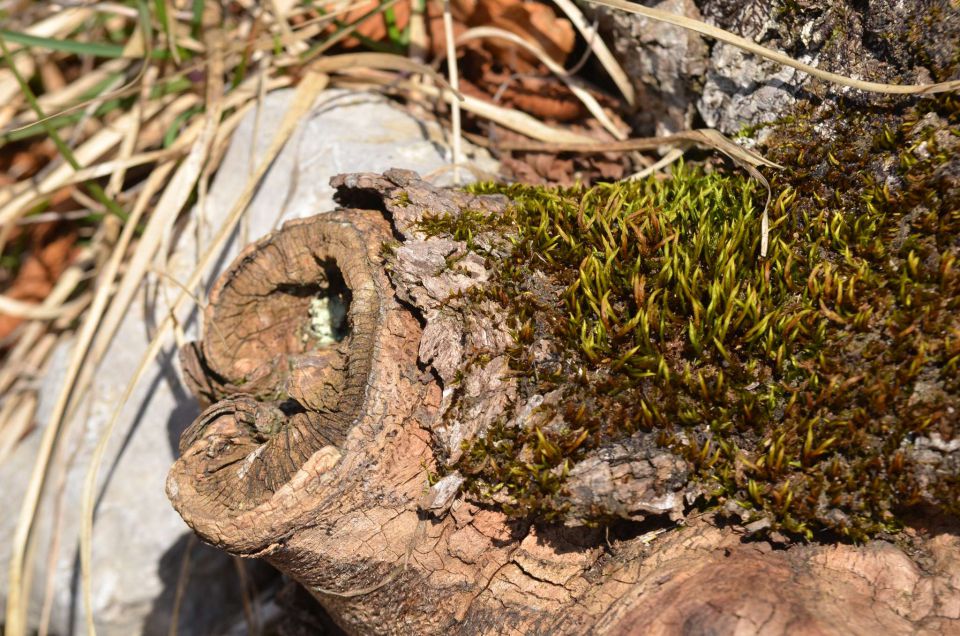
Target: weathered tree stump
339, 369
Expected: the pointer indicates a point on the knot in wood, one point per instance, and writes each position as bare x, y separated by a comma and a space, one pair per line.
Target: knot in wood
290, 336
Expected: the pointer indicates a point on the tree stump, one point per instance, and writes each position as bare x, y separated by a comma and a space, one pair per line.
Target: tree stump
350, 357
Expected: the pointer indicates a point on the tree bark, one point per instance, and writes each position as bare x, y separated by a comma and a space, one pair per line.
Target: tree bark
320, 429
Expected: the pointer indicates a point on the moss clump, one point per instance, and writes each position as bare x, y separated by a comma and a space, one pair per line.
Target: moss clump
794, 385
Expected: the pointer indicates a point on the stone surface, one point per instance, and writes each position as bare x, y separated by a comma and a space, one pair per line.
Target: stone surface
683, 79
665, 63
139, 541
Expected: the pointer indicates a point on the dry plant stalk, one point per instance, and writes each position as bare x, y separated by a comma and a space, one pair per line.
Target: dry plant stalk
574, 85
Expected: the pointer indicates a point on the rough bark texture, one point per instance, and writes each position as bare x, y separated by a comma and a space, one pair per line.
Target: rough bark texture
314, 454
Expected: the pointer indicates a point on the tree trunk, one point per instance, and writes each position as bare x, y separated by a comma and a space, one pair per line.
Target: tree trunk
339, 369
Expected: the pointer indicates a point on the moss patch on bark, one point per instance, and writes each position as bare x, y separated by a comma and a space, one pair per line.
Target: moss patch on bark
802, 388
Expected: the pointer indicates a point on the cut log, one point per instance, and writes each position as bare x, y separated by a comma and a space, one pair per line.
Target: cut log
339, 372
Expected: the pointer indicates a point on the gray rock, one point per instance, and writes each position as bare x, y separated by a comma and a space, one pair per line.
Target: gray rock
742, 90
665, 63
139, 541
676, 74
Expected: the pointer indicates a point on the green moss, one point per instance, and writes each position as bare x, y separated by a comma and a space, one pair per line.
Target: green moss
792, 384
464, 226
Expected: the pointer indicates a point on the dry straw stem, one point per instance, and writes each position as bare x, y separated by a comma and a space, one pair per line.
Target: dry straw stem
15, 205
129, 143
16, 609
418, 31
38, 311
600, 50
383, 61
174, 197
67, 455
672, 155
16, 417
16, 599
95, 324
57, 25
506, 117
62, 99
54, 305
454, 75
572, 83
26, 362
143, 52
19, 359
344, 32
752, 47
66, 97
312, 84
103, 141
16, 617
703, 136
294, 45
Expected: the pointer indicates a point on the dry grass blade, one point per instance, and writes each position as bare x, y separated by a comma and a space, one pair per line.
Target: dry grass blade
108, 325
124, 131
506, 117
16, 417
119, 166
581, 93
345, 32
68, 94
183, 579
600, 50
25, 359
65, 460
383, 61
16, 598
118, 91
299, 35
714, 139
752, 47
76, 17
103, 141
703, 136
418, 31
303, 100
37, 311
25, 362
672, 155
454, 74
54, 26
294, 45
172, 200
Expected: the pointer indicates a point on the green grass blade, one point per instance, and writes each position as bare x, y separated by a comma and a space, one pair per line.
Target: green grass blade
97, 49
196, 20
